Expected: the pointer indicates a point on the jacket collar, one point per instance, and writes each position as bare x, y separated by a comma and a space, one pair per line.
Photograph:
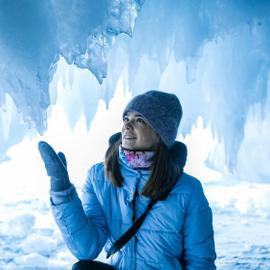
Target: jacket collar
133, 178
136, 178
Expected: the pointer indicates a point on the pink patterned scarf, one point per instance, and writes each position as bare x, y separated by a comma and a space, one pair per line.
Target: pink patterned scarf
137, 159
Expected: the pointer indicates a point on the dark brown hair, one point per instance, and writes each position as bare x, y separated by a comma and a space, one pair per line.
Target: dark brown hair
165, 171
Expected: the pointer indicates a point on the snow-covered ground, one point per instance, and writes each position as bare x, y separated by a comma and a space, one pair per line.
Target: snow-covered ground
241, 223
29, 238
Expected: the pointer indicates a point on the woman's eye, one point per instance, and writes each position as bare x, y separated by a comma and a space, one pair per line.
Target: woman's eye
140, 120
125, 119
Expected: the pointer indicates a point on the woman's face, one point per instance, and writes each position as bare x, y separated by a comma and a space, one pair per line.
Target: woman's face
137, 134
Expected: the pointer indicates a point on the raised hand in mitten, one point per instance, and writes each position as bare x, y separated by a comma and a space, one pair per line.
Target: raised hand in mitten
56, 167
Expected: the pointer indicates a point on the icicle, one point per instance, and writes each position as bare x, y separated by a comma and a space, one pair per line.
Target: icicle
191, 69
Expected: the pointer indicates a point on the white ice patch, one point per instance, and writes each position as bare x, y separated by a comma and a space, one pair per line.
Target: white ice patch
32, 261
42, 245
18, 227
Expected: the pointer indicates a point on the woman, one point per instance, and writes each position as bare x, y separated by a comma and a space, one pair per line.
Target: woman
143, 163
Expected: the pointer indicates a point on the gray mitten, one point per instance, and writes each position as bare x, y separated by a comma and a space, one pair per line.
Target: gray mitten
56, 167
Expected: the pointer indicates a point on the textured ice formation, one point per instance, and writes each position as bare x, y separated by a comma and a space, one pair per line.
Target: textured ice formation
39, 244
213, 54
29, 260
21, 225
33, 35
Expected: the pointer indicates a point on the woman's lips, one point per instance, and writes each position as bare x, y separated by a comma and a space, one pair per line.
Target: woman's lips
129, 137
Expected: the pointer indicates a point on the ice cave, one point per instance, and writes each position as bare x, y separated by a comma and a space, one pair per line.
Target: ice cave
67, 69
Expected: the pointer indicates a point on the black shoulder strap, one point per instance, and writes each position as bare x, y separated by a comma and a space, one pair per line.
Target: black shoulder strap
130, 232
134, 228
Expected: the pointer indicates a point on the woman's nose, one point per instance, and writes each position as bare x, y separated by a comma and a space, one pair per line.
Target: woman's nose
128, 125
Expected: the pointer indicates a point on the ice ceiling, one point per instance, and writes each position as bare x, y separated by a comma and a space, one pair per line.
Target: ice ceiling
214, 55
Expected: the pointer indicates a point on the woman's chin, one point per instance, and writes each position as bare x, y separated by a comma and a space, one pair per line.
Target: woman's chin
129, 144
128, 147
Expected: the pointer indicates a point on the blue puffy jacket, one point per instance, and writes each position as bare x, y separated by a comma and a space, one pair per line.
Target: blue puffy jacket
176, 234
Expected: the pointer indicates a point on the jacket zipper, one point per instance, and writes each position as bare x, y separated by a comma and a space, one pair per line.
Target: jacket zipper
136, 194
134, 206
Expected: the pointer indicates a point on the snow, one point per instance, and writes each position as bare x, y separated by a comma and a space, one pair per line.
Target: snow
32, 245
31, 259
18, 226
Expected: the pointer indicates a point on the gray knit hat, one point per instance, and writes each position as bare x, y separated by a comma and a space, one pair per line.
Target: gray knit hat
162, 110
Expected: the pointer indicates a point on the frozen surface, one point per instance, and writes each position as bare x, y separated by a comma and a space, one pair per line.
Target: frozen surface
242, 235
241, 220
33, 36
213, 54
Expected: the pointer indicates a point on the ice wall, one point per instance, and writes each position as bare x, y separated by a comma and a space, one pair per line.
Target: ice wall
33, 35
213, 54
